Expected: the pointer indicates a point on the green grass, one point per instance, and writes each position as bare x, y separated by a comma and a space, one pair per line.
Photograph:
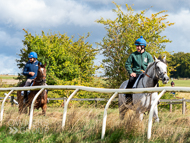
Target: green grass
8, 76
84, 125
181, 83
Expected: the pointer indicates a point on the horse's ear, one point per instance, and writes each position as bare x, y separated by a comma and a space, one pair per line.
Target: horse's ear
39, 65
155, 59
164, 59
44, 65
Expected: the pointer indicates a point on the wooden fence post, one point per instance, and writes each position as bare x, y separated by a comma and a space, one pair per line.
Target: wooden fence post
183, 106
96, 103
170, 106
12, 103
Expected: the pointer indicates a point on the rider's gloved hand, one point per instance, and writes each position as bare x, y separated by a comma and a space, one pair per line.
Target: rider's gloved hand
133, 74
32, 73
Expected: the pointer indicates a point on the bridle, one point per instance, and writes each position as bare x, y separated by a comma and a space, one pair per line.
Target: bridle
159, 74
41, 81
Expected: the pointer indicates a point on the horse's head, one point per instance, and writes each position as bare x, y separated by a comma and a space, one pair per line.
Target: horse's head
161, 69
41, 76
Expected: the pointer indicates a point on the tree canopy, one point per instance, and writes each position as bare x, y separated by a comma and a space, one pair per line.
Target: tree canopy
181, 61
67, 60
122, 32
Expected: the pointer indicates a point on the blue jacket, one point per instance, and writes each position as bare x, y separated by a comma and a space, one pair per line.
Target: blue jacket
31, 67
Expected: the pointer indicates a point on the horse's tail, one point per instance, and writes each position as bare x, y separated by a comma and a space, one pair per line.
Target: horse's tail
122, 95
122, 100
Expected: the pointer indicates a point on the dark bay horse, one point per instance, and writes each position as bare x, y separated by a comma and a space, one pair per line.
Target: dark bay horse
141, 102
41, 101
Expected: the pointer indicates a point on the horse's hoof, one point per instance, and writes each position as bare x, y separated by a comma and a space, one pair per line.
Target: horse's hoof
157, 121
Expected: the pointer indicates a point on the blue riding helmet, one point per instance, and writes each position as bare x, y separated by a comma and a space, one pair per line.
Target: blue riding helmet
32, 55
140, 41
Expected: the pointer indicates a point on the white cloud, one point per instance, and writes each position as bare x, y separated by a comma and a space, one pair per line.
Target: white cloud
10, 40
181, 19
8, 65
43, 13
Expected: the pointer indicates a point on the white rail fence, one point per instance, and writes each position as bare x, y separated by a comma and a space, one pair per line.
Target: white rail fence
91, 89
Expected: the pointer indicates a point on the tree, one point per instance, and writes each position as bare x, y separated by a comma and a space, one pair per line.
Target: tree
181, 61
122, 32
66, 59
69, 62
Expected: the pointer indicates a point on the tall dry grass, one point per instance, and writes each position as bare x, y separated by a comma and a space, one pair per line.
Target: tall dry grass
85, 125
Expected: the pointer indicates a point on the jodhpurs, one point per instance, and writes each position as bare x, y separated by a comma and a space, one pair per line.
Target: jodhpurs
130, 84
28, 82
132, 81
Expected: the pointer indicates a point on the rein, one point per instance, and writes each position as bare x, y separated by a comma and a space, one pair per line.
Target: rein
42, 81
149, 75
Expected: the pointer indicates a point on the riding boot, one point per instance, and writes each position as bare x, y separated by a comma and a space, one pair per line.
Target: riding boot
130, 85
128, 98
25, 97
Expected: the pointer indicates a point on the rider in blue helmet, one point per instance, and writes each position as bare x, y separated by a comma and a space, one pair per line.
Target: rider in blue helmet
30, 71
141, 42
137, 62
32, 55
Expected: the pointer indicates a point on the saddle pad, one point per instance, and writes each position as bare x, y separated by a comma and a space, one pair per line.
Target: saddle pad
137, 80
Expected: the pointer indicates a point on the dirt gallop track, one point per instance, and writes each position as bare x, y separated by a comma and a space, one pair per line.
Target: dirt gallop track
10, 81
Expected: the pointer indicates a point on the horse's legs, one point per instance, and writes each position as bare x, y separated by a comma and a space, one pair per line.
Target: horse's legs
141, 116
29, 111
139, 113
25, 109
20, 108
44, 107
122, 111
155, 114
122, 108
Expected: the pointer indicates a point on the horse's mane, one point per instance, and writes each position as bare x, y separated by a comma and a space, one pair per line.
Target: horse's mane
161, 59
150, 64
42, 66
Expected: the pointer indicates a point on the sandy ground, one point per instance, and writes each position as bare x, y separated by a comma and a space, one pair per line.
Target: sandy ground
183, 95
10, 81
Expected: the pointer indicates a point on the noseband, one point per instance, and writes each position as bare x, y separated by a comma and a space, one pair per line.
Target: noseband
159, 74
41, 81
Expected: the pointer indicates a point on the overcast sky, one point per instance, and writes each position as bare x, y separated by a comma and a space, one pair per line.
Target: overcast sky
77, 17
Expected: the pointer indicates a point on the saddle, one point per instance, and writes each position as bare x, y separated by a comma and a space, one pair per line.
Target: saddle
129, 97
137, 80
22, 92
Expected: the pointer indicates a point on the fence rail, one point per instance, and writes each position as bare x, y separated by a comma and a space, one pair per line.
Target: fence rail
167, 101
174, 101
115, 92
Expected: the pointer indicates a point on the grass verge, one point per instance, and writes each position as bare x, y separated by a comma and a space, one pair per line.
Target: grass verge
85, 125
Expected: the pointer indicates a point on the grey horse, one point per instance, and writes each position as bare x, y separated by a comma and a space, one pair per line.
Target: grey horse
141, 102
